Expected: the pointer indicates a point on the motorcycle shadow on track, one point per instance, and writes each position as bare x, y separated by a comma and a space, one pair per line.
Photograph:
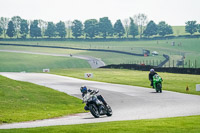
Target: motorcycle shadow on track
88, 118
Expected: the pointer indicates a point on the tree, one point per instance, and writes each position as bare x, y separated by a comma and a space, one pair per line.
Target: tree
105, 27
16, 21
69, 27
199, 28
61, 29
133, 29
43, 26
141, 20
51, 30
35, 31
119, 28
151, 29
1, 31
191, 27
4, 25
126, 26
164, 29
11, 30
24, 28
91, 28
77, 28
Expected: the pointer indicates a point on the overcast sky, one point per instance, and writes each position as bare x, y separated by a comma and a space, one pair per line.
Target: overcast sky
174, 12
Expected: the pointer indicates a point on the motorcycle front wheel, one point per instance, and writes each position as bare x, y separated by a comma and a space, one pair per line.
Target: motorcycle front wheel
109, 111
94, 110
159, 86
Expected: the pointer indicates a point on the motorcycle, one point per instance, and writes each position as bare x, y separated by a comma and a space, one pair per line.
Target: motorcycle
96, 106
157, 83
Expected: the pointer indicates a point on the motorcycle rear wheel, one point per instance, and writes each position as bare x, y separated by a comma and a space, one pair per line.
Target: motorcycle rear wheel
159, 87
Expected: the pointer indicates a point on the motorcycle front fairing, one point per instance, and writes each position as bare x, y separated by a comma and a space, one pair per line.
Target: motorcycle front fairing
91, 98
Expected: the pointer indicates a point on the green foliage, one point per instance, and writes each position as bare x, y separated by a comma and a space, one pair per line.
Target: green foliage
105, 27
24, 28
35, 31
23, 101
141, 21
151, 29
43, 25
51, 30
77, 28
133, 29
1, 31
61, 29
191, 27
91, 28
199, 28
10, 31
164, 29
16, 21
119, 28
4, 24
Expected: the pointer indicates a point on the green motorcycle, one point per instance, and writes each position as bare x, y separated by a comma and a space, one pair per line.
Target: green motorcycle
157, 83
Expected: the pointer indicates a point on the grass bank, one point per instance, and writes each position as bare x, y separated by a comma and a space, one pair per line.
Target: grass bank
23, 101
189, 124
172, 82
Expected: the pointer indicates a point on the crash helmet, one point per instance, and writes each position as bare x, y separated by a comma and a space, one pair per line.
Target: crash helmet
83, 89
151, 70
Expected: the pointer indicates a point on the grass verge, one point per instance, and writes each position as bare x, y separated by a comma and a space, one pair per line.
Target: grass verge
190, 124
23, 101
172, 82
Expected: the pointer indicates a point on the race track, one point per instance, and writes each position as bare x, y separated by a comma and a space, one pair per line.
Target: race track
127, 102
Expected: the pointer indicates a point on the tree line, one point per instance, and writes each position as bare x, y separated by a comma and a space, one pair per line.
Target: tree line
91, 28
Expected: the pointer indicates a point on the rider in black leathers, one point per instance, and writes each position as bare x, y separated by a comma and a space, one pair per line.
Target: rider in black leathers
84, 91
151, 74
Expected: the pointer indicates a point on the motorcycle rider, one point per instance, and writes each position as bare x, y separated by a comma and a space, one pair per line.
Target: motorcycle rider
84, 91
151, 74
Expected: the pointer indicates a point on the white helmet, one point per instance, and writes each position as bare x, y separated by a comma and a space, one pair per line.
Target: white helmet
151, 70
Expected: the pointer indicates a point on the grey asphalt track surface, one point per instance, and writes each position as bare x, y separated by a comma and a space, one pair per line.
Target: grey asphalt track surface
94, 62
127, 102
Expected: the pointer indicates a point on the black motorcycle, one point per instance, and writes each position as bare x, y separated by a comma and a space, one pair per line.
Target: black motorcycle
95, 105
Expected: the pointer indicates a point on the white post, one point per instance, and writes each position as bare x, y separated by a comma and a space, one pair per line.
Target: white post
197, 87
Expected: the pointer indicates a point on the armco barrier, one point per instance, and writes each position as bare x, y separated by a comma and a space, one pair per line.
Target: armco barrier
158, 69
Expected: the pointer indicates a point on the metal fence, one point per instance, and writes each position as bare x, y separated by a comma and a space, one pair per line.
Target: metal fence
169, 63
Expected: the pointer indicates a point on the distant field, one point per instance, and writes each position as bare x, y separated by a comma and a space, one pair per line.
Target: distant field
179, 30
189, 48
23, 101
17, 62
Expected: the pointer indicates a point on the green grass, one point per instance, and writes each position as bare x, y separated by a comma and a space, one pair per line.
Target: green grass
190, 124
16, 62
42, 50
172, 82
23, 101
179, 30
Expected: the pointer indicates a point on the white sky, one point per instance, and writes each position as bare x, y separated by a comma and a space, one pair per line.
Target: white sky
174, 12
